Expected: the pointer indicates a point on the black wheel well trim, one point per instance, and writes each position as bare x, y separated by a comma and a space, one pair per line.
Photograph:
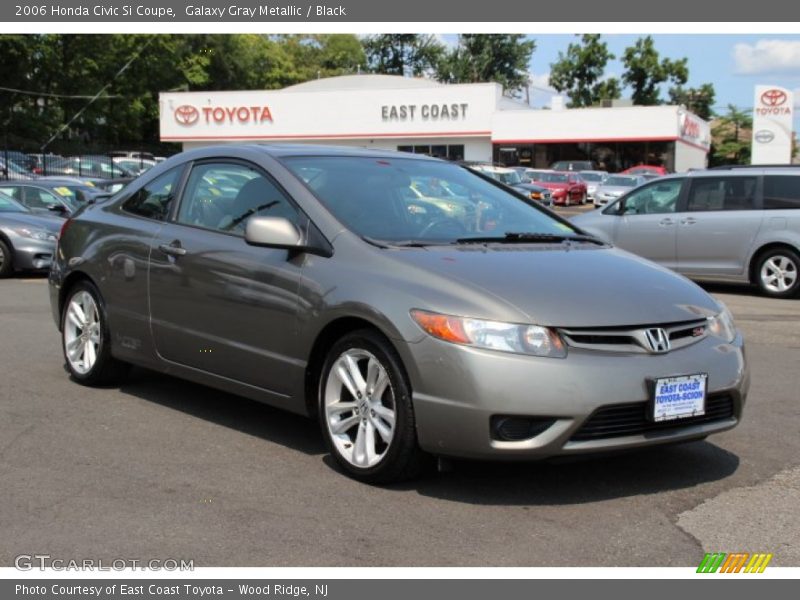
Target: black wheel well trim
8, 243
326, 338
761, 251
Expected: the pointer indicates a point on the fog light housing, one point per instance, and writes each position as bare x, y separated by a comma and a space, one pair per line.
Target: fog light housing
506, 428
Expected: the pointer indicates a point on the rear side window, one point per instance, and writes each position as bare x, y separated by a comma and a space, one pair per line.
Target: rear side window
781, 192
722, 193
154, 199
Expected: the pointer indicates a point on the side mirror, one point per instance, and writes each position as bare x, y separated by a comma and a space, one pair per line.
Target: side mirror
57, 208
273, 232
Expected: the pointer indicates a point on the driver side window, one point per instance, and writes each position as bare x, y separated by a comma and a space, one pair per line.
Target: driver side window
657, 198
223, 196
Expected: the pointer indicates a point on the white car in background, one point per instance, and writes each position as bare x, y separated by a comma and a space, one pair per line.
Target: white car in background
593, 180
615, 186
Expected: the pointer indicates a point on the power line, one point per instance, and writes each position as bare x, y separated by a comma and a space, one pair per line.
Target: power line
97, 95
49, 95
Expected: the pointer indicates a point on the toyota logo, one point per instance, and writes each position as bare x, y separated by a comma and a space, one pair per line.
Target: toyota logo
764, 136
186, 114
773, 97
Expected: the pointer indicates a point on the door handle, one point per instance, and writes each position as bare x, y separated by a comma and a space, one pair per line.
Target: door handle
666, 222
689, 221
173, 249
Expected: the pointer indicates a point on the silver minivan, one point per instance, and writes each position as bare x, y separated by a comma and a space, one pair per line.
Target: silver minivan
734, 224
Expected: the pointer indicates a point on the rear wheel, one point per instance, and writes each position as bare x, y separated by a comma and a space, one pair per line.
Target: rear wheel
778, 273
365, 410
6, 260
85, 338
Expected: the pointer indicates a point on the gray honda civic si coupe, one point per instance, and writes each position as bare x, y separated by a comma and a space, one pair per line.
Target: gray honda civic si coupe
313, 279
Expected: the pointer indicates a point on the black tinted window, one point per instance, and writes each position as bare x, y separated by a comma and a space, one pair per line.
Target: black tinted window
154, 199
781, 191
722, 193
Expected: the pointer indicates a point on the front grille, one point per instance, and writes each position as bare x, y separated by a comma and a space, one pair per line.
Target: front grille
618, 420
632, 339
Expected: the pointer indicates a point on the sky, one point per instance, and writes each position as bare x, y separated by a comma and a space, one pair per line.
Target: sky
733, 63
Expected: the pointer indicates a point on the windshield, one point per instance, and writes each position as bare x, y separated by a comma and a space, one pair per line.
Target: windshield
621, 181
377, 198
587, 176
8, 204
552, 178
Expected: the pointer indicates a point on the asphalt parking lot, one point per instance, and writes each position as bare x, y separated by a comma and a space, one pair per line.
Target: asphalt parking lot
161, 468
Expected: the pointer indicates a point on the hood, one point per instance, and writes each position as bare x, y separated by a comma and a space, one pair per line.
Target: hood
553, 186
530, 187
616, 190
20, 219
582, 286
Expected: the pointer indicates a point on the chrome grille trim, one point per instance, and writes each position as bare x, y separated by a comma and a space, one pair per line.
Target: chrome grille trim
633, 340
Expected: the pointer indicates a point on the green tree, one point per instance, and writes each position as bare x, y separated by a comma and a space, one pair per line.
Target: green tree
502, 58
730, 136
645, 71
579, 73
698, 100
403, 54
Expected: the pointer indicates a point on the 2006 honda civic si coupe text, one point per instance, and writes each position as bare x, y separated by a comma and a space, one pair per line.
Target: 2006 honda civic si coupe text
319, 280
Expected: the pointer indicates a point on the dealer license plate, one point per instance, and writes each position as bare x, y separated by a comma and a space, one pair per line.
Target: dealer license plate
679, 397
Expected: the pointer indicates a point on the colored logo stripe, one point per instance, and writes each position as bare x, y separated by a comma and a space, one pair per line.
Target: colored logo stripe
734, 563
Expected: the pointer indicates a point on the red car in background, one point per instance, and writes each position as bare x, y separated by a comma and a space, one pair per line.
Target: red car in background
565, 187
645, 170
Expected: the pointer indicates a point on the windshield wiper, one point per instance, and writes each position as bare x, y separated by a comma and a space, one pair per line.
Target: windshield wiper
399, 243
513, 237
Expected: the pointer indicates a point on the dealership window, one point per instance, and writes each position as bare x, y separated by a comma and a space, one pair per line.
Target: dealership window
781, 192
722, 193
447, 151
608, 156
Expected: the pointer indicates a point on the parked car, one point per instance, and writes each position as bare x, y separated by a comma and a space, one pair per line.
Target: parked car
24, 161
615, 186
27, 240
645, 170
12, 171
565, 188
40, 197
406, 334
593, 180
573, 165
512, 178
741, 225
137, 166
82, 191
40, 162
137, 154
87, 166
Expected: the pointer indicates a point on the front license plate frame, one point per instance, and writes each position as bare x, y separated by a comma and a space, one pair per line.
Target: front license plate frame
678, 397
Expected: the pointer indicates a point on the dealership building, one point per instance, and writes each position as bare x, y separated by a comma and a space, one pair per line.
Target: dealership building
472, 122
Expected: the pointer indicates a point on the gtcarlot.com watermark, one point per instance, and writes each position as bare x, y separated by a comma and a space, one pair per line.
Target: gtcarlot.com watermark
42, 562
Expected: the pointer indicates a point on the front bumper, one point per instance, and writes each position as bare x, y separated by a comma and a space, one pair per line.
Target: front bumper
458, 389
33, 255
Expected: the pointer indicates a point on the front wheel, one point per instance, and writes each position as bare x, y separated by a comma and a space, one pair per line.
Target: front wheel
85, 338
6, 260
365, 410
777, 273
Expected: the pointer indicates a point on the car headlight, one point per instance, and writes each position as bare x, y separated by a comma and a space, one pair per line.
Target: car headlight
722, 325
533, 340
36, 234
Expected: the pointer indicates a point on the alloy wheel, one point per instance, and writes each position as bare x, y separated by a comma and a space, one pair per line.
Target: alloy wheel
82, 332
778, 273
360, 408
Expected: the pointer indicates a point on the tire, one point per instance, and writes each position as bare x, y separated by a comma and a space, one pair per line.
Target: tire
371, 433
85, 338
6, 260
583, 199
778, 273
